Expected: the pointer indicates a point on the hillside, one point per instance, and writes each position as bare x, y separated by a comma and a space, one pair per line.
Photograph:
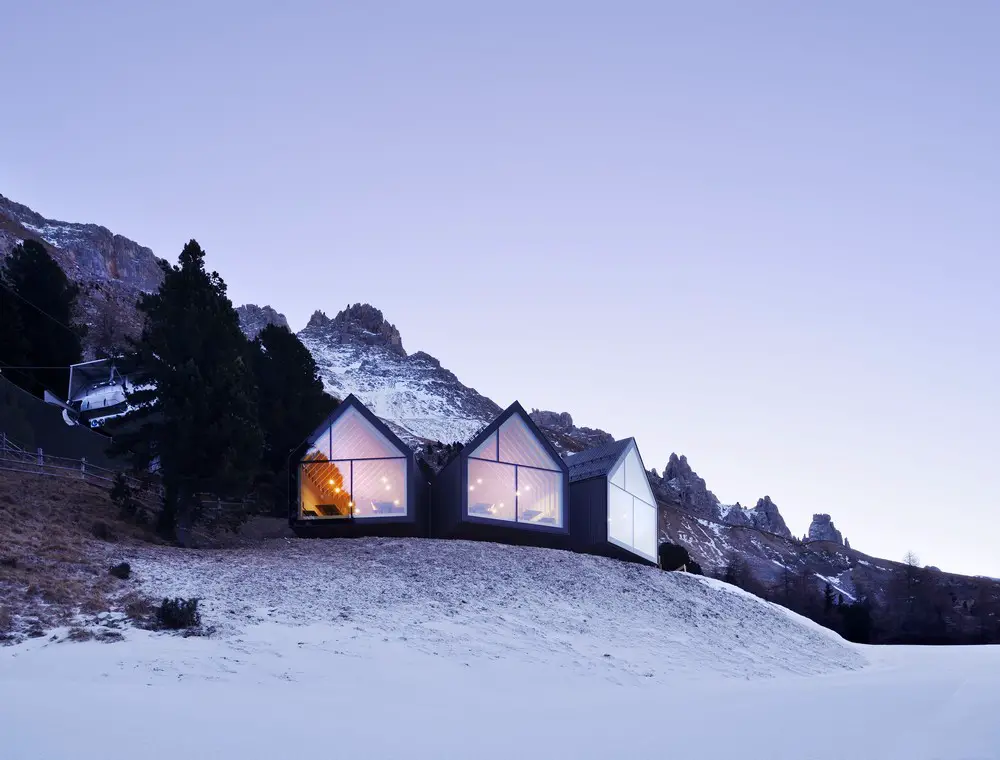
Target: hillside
430, 649
359, 351
112, 270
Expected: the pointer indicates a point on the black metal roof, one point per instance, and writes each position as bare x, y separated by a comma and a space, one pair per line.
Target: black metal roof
598, 461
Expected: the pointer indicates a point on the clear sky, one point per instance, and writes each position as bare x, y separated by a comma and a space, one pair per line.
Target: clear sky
761, 234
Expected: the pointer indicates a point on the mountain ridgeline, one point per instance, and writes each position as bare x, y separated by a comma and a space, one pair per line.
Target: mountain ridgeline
359, 351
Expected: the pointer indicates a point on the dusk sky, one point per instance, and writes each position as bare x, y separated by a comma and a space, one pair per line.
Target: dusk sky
765, 235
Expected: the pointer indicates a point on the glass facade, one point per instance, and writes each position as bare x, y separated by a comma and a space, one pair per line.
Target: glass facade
632, 514
512, 478
352, 471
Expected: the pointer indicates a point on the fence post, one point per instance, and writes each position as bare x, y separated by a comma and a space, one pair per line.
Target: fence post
83, 468
41, 457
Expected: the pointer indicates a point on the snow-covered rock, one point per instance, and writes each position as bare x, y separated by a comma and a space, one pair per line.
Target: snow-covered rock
255, 318
359, 352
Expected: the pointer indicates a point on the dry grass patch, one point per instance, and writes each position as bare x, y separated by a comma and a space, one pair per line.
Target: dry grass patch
52, 567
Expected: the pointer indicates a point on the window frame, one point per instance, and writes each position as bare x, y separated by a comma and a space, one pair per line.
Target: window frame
631, 547
563, 524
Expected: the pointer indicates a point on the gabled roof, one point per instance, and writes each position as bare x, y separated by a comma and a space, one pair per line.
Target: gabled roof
501, 418
353, 402
598, 461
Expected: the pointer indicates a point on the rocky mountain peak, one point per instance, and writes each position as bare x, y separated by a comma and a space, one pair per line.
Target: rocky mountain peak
822, 529
255, 318
765, 516
360, 323
690, 491
564, 435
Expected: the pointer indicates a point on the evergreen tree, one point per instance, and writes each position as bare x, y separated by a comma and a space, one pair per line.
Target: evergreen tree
38, 300
291, 403
828, 598
198, 418
13, 346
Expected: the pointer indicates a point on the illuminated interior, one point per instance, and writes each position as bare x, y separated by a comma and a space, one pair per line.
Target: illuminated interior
513, 478
352, 471
632, 520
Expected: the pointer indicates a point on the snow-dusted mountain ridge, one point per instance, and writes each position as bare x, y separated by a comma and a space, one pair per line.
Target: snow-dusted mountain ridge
358, 351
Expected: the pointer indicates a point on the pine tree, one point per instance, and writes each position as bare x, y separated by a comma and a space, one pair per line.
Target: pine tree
828, 598
38, 295
291, 402
198, 418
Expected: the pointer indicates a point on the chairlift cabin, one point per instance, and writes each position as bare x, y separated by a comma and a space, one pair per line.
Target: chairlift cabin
508, 485
355, 477
98, 390
613, 511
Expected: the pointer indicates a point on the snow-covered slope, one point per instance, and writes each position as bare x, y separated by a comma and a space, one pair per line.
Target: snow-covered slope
431, 650
359, 352
478, 601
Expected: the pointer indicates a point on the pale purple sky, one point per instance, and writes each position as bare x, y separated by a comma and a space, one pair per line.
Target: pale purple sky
764, 235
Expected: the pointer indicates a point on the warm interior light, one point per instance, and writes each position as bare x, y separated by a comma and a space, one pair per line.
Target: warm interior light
388, 488
396, 502
383, 478
331, 481
479, 480
527, 488
350, 503
517, 493
472, 488
337, 489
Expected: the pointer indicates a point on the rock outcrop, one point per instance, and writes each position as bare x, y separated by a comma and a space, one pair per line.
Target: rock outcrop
361, 323
765, 516
564, 435
690, 489
822, 529
255, 318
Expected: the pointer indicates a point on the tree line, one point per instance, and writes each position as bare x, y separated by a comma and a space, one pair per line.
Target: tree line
917, 606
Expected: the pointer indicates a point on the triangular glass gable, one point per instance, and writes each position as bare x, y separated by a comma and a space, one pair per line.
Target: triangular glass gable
518, 445
487, 449
636, 480
354, 437
618, 476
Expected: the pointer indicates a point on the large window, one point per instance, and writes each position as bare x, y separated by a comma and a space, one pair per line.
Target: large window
513, 478
632, 517
352, 471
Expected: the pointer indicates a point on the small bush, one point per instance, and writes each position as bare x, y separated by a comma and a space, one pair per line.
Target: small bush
673, 557
122, 570
101, 530
122, 497
694, 568
178, 614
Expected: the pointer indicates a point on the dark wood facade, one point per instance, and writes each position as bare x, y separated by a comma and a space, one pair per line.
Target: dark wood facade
450, 517
589, 495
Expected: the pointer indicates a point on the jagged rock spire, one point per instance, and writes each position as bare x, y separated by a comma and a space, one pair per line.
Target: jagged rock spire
822, 529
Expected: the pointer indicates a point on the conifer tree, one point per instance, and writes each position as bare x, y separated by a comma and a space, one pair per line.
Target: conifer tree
198, 416
38, 300
291, 401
